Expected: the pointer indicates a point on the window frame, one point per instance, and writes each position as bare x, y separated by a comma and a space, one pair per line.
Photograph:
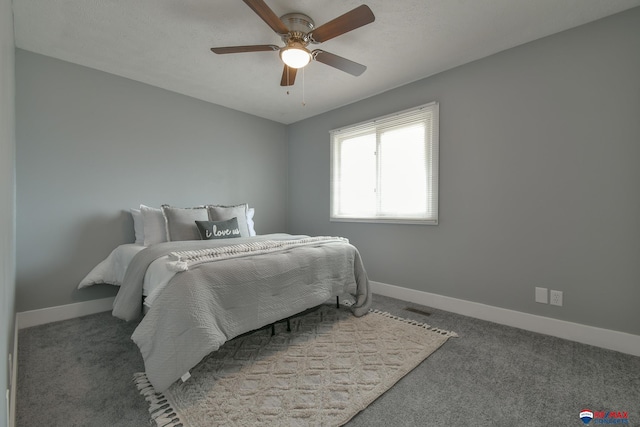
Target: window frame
431, 113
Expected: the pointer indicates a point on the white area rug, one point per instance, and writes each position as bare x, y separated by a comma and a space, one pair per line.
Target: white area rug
328, 368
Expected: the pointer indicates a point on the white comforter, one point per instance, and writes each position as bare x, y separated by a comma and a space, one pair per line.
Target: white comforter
112, 270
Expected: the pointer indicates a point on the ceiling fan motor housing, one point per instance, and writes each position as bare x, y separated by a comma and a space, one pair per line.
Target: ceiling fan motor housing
298, 22
299, 26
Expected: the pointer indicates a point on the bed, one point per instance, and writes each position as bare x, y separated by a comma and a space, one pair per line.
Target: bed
199, 294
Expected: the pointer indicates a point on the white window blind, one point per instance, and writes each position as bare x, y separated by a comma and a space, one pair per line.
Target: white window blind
386, 169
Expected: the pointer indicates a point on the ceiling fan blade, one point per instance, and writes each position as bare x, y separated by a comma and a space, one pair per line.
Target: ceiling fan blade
356, 18
338, 62
267, 15
288, 76
242, 49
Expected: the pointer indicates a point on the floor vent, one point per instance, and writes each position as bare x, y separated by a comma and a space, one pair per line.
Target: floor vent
417, 310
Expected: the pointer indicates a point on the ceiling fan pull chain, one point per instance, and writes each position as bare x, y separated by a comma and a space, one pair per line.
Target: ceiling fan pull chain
288, 71
303, 103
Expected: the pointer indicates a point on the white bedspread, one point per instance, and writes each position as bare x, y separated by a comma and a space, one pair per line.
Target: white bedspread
111, 271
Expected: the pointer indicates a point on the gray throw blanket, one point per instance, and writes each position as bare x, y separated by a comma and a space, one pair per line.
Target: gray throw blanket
214, 301
128, 302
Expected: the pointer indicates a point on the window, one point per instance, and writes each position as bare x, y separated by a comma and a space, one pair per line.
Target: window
386, 170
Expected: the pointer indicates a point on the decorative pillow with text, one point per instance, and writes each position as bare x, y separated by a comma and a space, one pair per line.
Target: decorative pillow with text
219, 229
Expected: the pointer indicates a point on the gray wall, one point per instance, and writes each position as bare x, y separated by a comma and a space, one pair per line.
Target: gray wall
7, 197
91, 145
539, 179
538, 175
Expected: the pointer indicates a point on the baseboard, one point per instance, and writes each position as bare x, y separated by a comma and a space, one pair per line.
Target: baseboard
604, 338
13, 393
599, 337
26, 319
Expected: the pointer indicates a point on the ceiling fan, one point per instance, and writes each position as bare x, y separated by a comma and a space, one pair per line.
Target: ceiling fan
297, 31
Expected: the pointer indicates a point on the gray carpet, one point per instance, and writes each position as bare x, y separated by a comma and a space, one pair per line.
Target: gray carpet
79, 373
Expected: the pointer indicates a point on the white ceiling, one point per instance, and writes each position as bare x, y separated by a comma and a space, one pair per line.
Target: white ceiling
166, 43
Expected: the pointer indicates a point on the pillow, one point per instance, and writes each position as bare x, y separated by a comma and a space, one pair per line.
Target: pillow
210, 230
180, 222
250, 213
223, 213
138, 226
155, 230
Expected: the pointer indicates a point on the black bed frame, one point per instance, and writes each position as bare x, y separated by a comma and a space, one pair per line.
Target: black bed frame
288, 319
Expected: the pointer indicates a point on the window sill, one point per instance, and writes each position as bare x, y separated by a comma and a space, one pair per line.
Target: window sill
386, 220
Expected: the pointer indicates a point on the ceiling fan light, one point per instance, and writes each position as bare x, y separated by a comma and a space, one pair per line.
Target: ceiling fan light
295, 56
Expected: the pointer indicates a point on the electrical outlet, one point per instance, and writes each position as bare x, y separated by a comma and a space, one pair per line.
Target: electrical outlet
556, 298
541, 295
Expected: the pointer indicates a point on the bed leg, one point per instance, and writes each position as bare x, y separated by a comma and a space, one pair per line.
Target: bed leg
288, 325
273, 329
337, 302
